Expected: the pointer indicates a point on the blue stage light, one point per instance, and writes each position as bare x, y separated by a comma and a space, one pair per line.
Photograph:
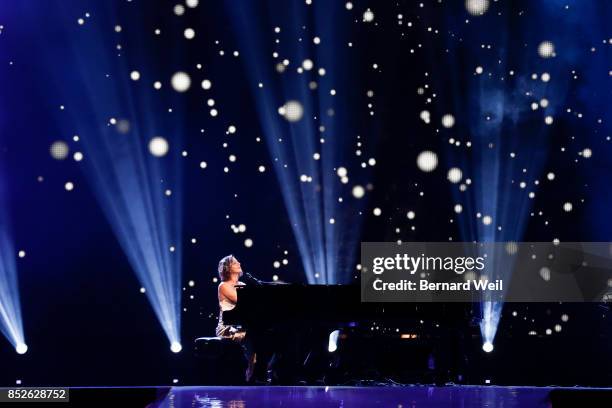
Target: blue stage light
21, 348
11, 324
333, 341
487, 347
307, 125
176, 347
131, 161
131, 185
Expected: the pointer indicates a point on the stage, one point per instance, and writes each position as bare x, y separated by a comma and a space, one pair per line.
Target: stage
409, 396
304, 203
327, 397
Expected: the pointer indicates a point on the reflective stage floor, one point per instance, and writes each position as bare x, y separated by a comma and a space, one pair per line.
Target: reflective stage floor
412, 396
404, 397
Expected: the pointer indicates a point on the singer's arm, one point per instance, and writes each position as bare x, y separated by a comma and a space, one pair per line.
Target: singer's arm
229, 291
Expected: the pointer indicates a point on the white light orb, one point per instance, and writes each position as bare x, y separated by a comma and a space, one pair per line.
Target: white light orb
550, 176
176, 347
448, 121
78, 156
69, 186
368, 16
21, 254
425, 116
548, 120
377, 211
458, 208
342, 172
511, 248
307, 64
123, 126
192, 3
157, 85
567, 207
586, 153
21, 348
189, 33
545, 273
59, 150
180, 81
158, 146
487, 347
427, 161
206, 84
454, 175
487, 220
546, 49
248, 242
358, 191
292, 111
135, 75
411, 215
477, 7
179, 10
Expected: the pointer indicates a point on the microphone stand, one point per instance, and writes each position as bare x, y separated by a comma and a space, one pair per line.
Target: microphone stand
259, 282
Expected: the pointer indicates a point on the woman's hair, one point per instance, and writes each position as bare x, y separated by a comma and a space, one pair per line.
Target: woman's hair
224, 267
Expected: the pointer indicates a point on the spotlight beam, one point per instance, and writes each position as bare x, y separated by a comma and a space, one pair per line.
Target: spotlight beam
11, 324
129, 182
321, 226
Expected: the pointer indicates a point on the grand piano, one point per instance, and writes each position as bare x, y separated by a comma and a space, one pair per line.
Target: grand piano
292, 325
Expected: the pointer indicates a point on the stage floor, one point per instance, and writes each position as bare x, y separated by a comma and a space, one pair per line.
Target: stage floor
404, 397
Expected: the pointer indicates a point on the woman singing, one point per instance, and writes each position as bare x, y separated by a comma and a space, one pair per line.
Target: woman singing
230, 273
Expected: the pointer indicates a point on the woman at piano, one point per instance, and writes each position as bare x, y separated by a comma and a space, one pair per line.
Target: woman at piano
230, 272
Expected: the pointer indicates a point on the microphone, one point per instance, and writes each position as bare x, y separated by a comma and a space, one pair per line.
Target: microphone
252, 278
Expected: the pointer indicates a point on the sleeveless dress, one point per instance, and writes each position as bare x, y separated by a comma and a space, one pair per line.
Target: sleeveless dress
223, 330
237, 334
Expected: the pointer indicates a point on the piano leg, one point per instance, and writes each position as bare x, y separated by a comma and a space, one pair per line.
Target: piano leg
262, 343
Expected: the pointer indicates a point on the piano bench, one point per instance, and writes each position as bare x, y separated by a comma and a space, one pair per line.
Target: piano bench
223, 361
215, 347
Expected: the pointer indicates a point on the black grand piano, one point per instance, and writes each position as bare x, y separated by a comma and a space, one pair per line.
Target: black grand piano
292, 327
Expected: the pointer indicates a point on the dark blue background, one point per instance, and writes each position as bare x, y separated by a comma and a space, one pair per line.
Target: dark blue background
85, 321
